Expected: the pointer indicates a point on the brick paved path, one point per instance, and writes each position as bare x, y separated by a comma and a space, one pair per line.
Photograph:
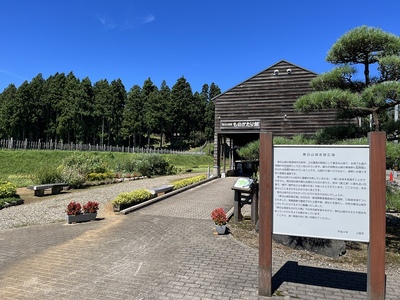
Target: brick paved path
164, 251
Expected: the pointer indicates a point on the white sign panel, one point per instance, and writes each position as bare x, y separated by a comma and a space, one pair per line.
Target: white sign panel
321, 192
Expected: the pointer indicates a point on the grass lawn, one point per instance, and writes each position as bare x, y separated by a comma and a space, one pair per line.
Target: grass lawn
20, 166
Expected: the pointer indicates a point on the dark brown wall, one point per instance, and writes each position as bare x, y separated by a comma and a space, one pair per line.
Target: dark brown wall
269, 98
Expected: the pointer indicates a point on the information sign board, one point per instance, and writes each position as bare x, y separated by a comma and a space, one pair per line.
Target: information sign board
321, 192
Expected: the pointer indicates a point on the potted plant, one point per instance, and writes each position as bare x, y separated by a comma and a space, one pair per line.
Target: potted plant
219, 217
76, 214
91, 207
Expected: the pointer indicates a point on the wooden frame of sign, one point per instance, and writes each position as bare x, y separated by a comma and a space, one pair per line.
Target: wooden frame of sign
377, 215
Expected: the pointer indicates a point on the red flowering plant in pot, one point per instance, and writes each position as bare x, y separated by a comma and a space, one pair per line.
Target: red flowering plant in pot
91, 207
219, 217
76, 213
73, 209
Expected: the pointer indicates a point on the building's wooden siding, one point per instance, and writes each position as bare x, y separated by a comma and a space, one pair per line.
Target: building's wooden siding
269, 97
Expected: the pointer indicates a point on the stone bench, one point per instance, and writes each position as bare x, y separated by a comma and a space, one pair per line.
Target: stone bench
161, 190
39, 189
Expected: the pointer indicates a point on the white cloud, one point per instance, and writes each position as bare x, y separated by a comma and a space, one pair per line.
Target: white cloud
109, 24
106, 21
12, 74
148, 19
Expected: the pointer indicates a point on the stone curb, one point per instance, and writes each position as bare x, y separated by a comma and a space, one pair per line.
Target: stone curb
162, 197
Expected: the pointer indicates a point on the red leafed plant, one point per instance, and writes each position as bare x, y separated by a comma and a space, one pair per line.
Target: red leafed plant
91, 207
219, 216
73, 208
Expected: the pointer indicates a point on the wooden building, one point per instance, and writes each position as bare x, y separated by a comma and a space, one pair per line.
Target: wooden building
265, 102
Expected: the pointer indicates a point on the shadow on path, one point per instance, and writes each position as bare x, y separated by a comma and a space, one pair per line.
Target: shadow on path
336, 279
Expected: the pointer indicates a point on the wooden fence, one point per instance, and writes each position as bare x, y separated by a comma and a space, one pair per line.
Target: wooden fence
12, 144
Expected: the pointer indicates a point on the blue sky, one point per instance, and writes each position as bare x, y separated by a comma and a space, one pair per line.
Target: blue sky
220, 41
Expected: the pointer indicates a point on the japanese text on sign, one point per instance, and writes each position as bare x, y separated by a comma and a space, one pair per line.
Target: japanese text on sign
322, 192
242, 124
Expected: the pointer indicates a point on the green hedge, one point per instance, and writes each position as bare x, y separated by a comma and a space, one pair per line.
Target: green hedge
188, 181
132, 198
7, 189
141, 195
100, 176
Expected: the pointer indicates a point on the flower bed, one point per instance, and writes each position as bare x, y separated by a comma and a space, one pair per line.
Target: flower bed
188, 181
128, 199
8, 194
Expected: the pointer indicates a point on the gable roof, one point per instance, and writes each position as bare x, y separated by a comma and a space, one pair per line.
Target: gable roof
274, 66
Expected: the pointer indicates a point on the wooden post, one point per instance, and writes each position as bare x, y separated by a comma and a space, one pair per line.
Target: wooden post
265, 218
377, 223
237, 209
254, 205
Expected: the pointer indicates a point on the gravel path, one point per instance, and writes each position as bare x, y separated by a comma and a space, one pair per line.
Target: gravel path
53, 210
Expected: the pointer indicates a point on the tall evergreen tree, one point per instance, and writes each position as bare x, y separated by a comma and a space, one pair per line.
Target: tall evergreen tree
164, 110
209, 117
36, 87
53, 95
21, 113
181, 103
132, 120
150, 102
118, 100
103, 110
68, 108
86, 129
7, 106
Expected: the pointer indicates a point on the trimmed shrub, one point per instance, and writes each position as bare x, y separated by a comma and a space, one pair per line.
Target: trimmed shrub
100, 176
7, 189
131, 198
188, 181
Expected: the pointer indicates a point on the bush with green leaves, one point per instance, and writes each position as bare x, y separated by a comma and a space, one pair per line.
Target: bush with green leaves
147, 165
153, 165
188, 181
100, 176
7, 189
73, 176
126, 165
75, 168
132, 198
48, 174
393, 197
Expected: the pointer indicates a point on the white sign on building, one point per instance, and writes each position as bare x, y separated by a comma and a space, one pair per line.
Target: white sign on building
321, 192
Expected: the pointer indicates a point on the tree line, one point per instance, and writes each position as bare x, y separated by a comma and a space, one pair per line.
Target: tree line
65, 108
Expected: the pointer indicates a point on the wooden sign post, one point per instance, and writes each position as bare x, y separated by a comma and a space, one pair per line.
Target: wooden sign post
265, 215
377, 242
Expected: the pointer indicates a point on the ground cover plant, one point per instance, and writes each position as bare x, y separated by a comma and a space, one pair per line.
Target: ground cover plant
8, 194
138, 196
188, 181
131, 198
